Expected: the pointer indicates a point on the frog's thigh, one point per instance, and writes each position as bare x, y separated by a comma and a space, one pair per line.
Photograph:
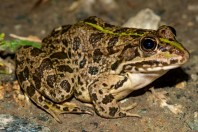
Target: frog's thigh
51, 82
105, 102
53, 108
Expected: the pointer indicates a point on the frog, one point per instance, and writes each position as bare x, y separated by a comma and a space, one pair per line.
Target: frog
96, 63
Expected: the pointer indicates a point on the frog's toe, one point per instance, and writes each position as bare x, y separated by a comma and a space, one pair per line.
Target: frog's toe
54, 115
129, 107
125, 114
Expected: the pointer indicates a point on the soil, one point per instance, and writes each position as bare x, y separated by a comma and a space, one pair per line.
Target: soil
23, 17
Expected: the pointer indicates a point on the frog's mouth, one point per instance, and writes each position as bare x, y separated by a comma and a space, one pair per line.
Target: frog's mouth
160, 64
156, 69
150, 69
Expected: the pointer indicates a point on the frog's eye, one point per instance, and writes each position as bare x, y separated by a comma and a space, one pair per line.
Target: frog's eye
148, 44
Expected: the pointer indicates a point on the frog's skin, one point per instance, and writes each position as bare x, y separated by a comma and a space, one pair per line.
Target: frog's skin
96, 63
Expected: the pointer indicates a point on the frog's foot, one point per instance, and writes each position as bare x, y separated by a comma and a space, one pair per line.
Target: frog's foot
55, 109
158, 97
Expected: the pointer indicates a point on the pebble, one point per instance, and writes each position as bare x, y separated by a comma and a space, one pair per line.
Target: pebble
145, 19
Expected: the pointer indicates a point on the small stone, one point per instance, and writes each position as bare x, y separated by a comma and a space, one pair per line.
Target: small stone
145, 19
194, 77
190, 24
181, 85
192, 7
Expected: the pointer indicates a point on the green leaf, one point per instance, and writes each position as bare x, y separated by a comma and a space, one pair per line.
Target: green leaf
14, 44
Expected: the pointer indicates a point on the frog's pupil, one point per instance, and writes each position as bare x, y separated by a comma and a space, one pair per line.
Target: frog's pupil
148, 44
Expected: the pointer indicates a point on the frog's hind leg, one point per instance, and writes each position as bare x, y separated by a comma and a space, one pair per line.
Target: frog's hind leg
53, 108
103, 94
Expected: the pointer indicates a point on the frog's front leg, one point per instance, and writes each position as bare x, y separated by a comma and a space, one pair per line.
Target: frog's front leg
106, 91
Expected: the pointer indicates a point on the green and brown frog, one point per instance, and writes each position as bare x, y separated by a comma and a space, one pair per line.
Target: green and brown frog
95, 62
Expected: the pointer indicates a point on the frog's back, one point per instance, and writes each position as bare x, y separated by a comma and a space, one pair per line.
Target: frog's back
79, 37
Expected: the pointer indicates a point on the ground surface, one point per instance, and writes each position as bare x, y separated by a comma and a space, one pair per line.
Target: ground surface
181, 84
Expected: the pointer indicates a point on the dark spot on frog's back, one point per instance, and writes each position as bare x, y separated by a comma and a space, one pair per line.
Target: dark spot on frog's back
65, 42
112, 41
107, 25
76, 43
59, 55
95, 37
35, 52
50, 80
65, 85
37, 81
107, 99
91, 20
46, 64
45, 107
65, 68
23, 75
121, 30
97, 55
94, 97
65, 28
112, 111
134, 36
66, 109
47, 40
69, 53
30, 91
100, 91
104, 84
82, 63
55, 32
40, 99
93, 70
140, 31
79, 81
115, 65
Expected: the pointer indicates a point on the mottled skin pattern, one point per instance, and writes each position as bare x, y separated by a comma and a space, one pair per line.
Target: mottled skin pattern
95, 62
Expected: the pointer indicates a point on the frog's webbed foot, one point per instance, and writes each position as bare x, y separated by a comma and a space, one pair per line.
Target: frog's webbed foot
105, 103
55, 109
